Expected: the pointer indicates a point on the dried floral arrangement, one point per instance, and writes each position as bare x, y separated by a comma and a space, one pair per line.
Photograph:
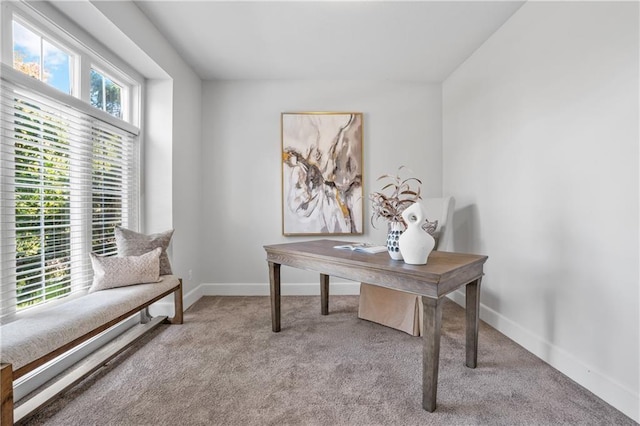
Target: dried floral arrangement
394, 197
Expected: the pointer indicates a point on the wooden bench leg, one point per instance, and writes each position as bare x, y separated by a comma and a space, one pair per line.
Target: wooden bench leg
6, 393
177, 302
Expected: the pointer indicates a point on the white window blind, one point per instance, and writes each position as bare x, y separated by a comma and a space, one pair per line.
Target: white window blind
67, 179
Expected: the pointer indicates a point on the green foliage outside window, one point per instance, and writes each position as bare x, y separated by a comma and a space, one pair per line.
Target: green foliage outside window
42, 200
104, 94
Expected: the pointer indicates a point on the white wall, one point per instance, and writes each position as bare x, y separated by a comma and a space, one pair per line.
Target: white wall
241, 157
540, 143
157, 154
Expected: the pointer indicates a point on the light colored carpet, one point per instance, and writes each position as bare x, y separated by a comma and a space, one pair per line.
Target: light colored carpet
225, 366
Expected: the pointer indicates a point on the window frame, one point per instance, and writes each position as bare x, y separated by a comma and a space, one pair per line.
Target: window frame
85, 57
125, 95
74, 67
88, 54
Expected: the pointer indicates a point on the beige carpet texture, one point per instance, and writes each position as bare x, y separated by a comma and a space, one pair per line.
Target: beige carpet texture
224, 366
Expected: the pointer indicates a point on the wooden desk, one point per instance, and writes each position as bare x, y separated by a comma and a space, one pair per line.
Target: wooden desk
444, 273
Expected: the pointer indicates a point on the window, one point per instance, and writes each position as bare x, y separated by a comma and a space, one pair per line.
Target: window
71, 178
38, 57
69, 172
41, 185
105, 94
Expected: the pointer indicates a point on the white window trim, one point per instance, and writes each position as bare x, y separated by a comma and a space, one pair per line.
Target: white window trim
125, 100
87, 53
68, 100
49, 22
74, 69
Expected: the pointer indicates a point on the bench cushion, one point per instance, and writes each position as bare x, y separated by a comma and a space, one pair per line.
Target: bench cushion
34, 335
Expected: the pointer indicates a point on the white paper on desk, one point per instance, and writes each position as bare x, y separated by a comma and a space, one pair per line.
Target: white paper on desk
363, 247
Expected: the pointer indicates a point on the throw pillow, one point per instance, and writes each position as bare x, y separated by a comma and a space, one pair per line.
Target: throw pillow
131, 243
113, 271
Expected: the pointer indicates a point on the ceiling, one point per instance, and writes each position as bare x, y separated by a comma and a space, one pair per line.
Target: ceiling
327, 40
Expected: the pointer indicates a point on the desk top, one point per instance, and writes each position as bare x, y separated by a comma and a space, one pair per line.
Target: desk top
443, 273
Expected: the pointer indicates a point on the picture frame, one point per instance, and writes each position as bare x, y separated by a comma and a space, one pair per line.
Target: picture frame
322, 173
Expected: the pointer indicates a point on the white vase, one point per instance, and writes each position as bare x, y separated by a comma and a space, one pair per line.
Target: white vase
415, 243
393, 236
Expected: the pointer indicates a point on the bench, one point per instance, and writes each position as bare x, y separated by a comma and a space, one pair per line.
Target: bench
31, 341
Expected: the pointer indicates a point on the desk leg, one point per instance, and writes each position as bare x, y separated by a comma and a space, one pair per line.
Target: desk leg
274, 284
324, 294
432, 309
472, 320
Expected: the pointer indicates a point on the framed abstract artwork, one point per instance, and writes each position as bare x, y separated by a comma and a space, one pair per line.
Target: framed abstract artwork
322, 190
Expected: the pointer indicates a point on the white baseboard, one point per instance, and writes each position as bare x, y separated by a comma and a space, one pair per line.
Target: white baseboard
615, 394
165, 306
